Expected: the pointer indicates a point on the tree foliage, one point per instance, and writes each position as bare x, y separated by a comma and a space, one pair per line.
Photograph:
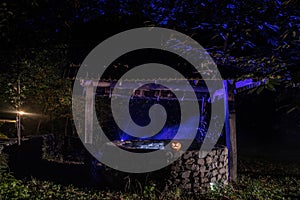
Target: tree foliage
258, 38
43, 91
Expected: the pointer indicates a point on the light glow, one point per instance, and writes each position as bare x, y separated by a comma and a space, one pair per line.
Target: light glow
21, 113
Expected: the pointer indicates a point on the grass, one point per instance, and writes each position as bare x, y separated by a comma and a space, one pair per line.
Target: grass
256, 180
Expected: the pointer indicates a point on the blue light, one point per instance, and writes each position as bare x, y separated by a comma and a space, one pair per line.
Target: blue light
230, 6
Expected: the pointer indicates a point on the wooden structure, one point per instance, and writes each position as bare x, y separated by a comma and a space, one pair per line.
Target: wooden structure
8, 121
231, 89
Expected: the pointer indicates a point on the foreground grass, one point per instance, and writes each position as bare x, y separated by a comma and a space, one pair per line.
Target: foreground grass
257, 180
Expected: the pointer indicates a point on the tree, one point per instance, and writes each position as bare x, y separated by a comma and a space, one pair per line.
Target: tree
258, 38
44, 92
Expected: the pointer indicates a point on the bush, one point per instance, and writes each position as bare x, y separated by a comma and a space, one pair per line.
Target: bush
3, 162
249, 185
3, 137
11, 188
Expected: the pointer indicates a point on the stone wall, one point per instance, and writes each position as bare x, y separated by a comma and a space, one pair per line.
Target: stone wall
191, 173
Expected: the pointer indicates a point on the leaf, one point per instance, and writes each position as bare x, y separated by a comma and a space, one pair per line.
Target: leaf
260, 89
291, 110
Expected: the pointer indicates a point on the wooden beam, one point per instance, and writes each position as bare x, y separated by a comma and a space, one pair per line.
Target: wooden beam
8, 121
89, 107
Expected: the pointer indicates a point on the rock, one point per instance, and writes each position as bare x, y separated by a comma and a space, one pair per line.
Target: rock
202, 169
220, 165
196, 174
201, 161
213, 179
215, 159
190, 161
208, 159
185, 181
188, 186
214, 165
219, 177
204, 180
222, 158
203, 154
176, 182
174, 174
225, 182
215, 172
225, 177
192, 172
225, 152
219, 151
195, 167
196, 180
222, 171
186, 174
208, 174
213, 152
187, 155
226, 162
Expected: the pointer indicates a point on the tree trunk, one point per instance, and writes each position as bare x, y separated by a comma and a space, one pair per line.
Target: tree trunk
38, 126
40, 121
66, 126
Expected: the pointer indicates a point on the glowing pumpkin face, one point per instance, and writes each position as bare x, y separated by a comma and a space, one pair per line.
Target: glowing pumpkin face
176, 145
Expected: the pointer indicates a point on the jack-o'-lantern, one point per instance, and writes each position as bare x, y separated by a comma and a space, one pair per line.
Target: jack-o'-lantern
176, 145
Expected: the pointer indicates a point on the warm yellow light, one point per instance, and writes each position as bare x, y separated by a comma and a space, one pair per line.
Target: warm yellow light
21, 112
176, 145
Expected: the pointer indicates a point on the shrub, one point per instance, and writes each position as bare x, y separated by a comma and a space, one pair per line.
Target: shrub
11, 188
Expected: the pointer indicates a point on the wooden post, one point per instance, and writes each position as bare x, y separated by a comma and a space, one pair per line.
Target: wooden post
233, 144
89, 105
230, 130
227, 124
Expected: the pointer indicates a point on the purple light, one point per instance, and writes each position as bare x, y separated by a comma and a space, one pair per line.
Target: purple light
243, 83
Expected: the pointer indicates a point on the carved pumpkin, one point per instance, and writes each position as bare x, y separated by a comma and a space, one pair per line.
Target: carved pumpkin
176, 145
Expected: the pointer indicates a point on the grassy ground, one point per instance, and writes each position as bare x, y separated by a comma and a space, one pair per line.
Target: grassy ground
257, 179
